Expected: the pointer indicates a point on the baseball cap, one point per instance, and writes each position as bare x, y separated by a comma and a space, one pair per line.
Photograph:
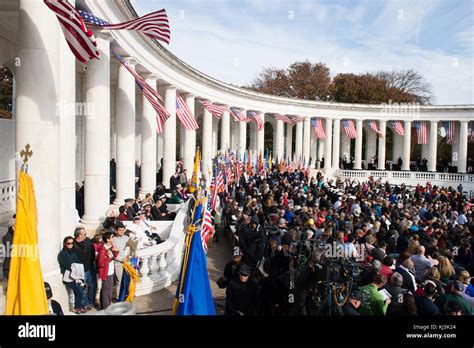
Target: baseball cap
245, 270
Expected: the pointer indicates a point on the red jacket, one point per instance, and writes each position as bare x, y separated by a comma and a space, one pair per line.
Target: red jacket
103, 260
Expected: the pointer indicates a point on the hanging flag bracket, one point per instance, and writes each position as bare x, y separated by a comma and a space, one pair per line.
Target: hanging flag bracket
26, 154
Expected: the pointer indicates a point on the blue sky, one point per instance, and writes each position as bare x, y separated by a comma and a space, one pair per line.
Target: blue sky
233, 40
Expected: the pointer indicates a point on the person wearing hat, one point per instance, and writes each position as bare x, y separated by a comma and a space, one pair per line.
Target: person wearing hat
353, 303
252, 242
7, 241
231, 269
242, 294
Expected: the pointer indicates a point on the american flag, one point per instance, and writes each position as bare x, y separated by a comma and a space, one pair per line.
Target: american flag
150, 94
422, 132
398, 128
349, 128
375, 128
80, 40
284, 118
239, 115
317, 125
295, 119
184, 114
207, 228
154, 25
257, 119
450, 128
215, 110
218, 187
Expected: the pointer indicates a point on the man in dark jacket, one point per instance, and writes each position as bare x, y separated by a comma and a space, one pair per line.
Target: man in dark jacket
252, 242
424, 303
242, 294
407, 272
7, 241
397, 306
85, 251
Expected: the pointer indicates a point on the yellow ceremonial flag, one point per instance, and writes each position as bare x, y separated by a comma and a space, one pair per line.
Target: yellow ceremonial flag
195, 177
25, 293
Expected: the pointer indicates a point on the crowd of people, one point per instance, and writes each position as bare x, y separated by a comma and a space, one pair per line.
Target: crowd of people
412, 246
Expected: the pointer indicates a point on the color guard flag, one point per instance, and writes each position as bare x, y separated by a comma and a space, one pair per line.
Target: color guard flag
26, 294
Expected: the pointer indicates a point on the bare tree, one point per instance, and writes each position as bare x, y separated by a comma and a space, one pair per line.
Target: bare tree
410, 82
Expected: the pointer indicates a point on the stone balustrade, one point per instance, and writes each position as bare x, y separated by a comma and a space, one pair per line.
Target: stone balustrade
159, 265
7, 197
414, 178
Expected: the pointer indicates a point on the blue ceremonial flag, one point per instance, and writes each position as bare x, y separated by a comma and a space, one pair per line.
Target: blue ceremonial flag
193, 295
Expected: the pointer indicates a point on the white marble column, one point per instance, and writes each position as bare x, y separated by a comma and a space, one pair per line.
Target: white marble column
306, 139
169, 136
125, 126
382, 142
328, 145
299, 141
260, 136
225, 131
37, 123
358, 145
189, 139
215, 135
67, 136
242, 144
97, 143
159, 151
336, 156
345, 146
279, 140
370, 145
148, 142
289, 142
206, 141
462, 140
406, 146
433, 146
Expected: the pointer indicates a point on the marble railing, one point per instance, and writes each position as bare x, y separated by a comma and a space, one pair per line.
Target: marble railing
159, 265
414, 178
7, 197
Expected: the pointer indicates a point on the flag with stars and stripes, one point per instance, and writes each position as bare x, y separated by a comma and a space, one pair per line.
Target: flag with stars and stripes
375, 128
421, 132
154, 25
450, 128
184, 114
349, 129
257, 119
153, 97
215, 110
80, 40
397, 126
317, 124
207, 228
239, 115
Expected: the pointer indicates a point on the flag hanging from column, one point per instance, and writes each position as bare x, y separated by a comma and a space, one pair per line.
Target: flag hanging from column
215, 110
153, 97
450, 128
239, 115
257, 119
317, 124
349, 128
154, 25
397, 126
184, 114
375, 128
421, 132
80, 40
